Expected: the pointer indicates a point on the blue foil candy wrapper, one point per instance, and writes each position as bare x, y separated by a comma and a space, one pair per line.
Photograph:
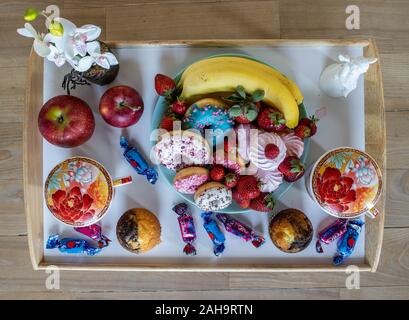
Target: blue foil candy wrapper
187, 228
348, 241
71, 245
137, 162
240, 229
214, 232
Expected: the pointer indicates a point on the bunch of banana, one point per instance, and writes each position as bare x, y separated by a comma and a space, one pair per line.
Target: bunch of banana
225, 73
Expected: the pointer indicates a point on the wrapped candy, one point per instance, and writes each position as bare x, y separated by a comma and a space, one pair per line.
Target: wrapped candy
318, 247
187, 228
214, 233
333, 231
71, 245
137, 161
241, 230
348, 241
95, 233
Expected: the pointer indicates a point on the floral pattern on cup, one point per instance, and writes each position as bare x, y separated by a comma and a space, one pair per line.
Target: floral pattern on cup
346, 182
78, 191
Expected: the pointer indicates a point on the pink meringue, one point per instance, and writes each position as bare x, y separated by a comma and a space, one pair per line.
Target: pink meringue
257, 151
270, 180
294, 144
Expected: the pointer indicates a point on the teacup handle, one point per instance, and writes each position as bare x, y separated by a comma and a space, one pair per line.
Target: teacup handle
372, 213
122, 181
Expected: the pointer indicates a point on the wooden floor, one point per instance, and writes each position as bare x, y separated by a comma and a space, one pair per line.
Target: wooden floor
385, 20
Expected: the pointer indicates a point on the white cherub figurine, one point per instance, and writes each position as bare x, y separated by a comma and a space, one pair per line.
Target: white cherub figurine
339, 79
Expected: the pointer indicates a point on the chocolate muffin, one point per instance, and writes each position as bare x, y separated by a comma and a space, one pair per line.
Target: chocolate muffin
290, 230
138, 230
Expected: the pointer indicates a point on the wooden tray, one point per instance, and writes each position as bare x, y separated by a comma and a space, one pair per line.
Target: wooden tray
33, 150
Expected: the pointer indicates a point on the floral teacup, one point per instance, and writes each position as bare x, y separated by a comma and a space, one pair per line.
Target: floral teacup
79, 191
345, 183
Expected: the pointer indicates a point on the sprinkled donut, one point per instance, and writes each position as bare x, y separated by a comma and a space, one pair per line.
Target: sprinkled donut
229, 160
213, 196
209, 113
188, 180
179, 149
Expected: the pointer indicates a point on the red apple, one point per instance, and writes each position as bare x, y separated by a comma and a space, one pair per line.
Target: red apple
66, 121
121, 106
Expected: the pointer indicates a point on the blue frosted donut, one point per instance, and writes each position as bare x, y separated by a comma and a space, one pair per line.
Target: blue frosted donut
209, 113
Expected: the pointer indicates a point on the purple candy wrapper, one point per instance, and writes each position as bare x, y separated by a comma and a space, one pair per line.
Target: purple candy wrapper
95, 233
187, 228
241, 230
334, 231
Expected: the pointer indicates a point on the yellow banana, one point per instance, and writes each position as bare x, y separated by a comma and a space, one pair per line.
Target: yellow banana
216, 76
202, 64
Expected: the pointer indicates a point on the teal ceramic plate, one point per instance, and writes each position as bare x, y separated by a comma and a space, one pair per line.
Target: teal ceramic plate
168, 175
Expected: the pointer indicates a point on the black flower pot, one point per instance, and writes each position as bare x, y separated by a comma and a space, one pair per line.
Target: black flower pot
96, 74
101, 76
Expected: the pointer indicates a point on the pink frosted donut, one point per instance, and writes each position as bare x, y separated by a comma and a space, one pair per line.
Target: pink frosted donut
188, 180
294, 144
230, 161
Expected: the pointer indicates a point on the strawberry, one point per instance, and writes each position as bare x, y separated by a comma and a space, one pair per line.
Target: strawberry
178, 107
264, 202
217, 172
302, 131
248, 187
311, 123
292, 168
242, 202
246, 106
230, 180
271, 119
167, 121
164, 85
271, 151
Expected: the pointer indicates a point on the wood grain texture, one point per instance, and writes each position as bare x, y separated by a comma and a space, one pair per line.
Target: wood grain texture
18, 275
397, 198
386, 21
398, 139
392, 270
194, 20
274, 294
376, 293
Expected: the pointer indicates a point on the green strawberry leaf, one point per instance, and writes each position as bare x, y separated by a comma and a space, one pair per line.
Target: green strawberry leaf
235, 111
241, 92
251, 114
257, 95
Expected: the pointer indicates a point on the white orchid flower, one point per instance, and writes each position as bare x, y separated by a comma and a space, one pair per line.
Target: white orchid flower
56, 46
76, 38
105, 60
40, 47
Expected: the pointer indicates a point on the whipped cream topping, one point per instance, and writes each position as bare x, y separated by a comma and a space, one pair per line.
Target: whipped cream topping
257, 151
270, 180
294, 144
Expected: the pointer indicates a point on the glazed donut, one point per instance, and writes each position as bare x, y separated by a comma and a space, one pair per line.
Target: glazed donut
213, 196
189, 179
180, 149
209, 113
